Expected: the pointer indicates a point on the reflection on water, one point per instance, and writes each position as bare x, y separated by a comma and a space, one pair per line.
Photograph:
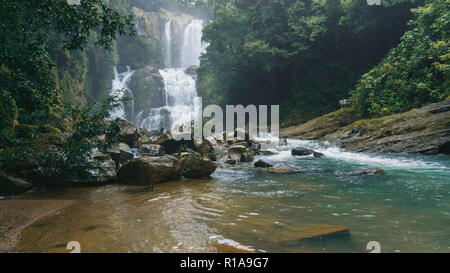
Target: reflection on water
406, 210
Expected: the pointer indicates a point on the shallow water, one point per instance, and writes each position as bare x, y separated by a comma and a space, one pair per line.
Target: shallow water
406, 210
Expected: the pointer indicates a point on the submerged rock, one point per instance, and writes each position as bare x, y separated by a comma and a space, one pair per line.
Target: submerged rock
299, 151
280, 168
374, 171
262, 164
148, 170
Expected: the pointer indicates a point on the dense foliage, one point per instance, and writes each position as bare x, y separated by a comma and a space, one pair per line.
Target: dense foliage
52, 58
31, 31
415, 72
304, 55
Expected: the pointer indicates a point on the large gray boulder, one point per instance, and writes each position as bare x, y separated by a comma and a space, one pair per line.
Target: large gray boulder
148, 170
194, 165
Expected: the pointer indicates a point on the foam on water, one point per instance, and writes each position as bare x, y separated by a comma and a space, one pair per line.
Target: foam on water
365, 159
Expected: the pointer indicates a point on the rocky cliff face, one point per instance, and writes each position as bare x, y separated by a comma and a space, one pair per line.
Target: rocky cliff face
148, 89
425, 130
151, 25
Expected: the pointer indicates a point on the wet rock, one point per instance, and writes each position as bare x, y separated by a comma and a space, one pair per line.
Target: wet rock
205, 148
148, 89
374, 171
12, 185
282, 142
172, 146
240, 153
231, 162
224, 165
425, 131
194, 165
192, 70
280, 168
305, 233
262, 164
148, 170
317, 154
267, 153
299, 151
121, 153
106, 173
152, 149
131, 135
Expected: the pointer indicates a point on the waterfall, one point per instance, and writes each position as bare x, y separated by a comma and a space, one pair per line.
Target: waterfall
121, 90
168, 45
192, 44
179, 87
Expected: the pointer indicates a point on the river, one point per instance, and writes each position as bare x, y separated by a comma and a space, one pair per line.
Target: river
407, 209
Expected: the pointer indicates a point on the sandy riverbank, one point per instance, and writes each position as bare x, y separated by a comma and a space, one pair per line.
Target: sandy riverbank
15, 215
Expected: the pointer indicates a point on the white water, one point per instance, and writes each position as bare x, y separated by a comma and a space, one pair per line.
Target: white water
192, 47
121, 90
363, 159
180, 88
168, 45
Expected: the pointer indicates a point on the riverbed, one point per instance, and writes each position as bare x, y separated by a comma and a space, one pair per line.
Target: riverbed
406, 209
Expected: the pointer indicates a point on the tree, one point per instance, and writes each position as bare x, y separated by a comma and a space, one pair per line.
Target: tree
31, 29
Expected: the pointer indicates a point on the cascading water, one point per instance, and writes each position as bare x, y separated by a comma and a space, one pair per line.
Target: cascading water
180, 88
168, 45
192, 44
121, 90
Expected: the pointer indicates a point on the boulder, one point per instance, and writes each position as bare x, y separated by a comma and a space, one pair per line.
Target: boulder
262, 164
152, 149
11, 185
374, 171
121, 153
129, 133
205, 148
194, 165
282, 142
148, 170
172, 146
240, 153
299, 151
107, 173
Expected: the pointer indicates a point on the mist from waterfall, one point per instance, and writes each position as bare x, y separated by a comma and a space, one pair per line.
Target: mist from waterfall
192, 47
168, 45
